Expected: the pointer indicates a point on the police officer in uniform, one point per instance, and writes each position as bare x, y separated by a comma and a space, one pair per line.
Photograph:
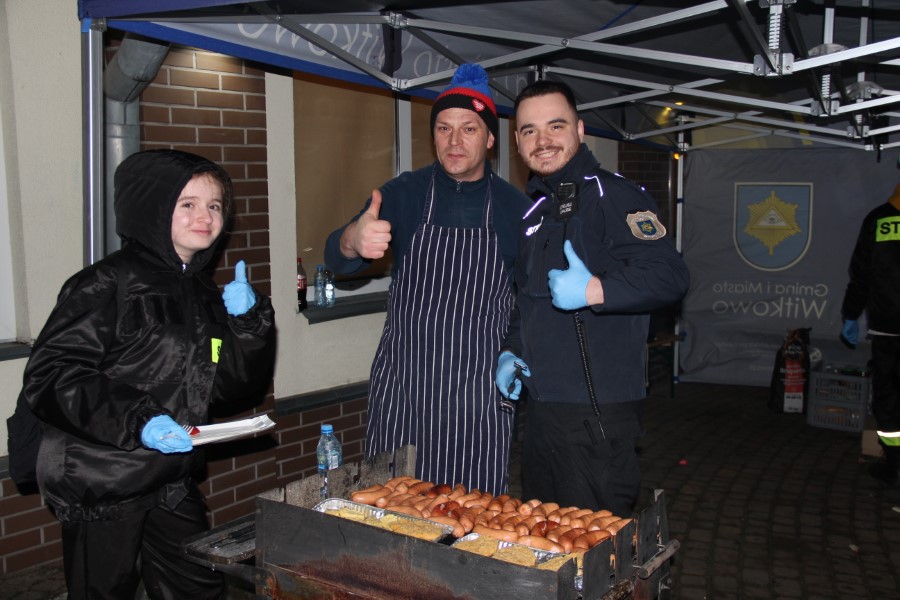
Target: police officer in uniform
593, 261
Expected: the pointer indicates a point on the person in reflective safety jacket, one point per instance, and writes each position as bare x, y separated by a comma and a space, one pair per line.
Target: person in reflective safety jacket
137, 347
874, 288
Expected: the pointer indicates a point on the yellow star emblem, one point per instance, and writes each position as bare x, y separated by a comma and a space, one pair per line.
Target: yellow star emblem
772, 221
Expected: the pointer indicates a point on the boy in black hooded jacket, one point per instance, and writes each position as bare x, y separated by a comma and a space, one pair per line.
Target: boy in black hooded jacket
138, 345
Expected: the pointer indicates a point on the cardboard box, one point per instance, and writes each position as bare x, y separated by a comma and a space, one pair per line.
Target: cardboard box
870, 445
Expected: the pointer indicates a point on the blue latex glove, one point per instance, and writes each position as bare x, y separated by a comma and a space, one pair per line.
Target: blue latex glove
164, 434
850, 333
239, 297
569, 286
507, 376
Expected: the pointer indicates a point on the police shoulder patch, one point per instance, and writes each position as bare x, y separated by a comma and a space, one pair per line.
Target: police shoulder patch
645, 225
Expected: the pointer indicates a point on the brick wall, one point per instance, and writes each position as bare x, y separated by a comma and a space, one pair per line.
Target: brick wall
214, 106
29, 534
652, 169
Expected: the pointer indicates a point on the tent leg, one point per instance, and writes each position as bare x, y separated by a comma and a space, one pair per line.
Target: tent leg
92, 140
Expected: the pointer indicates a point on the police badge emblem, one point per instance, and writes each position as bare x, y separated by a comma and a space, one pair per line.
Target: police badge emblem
645, 226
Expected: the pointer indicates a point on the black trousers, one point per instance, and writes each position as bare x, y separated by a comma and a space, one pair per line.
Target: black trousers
106, 559
568, 458
886, 389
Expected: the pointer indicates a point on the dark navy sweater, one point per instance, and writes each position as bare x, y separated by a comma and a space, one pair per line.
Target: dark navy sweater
456, 204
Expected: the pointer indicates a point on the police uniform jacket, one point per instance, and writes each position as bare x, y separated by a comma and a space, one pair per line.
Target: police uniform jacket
134, 336
639, 268
875, 272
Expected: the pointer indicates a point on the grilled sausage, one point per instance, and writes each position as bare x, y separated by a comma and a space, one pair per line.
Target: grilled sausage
407, 510
499, 534
393, 481
567, 539
444, 509
458, 529
544, 527
574, 514
441, 489
527, 508
614, 527
467, 521
459, 490
483, 500
420, 488
540, 543
484, 517
578, 522
588, 540
545, 508
559, 513
370, 494
435, 502
465, 498
496, 504
601, 522
386, 500
422, 502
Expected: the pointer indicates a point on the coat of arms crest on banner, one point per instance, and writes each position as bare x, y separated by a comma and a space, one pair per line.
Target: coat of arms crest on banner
772, 223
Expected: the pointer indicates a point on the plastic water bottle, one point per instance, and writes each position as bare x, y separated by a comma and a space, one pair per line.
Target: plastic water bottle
301, 286
329, 288
319, 297
328, 456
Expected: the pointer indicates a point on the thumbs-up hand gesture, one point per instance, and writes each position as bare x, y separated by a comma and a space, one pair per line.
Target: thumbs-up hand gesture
569, 286
368, 236
238, 295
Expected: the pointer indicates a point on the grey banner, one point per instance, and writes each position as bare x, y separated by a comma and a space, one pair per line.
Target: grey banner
768, 236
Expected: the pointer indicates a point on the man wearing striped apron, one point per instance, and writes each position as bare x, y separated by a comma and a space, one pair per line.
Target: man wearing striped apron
452, 228
875, 287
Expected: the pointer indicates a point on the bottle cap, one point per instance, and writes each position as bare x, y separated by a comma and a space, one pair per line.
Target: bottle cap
326, 428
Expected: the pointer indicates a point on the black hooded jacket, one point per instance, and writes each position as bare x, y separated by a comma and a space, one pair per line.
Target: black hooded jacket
133, 336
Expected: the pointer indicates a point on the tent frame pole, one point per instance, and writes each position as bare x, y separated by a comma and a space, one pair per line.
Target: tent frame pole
92, 137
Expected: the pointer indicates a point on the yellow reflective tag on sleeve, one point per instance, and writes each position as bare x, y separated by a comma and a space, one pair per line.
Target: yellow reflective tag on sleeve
889, 438
216, 349
887, 229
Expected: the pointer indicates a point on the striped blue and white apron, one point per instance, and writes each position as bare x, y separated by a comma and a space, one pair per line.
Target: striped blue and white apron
432, 380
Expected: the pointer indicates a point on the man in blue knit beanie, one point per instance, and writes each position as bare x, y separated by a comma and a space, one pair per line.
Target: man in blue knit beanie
451, 228
469, 89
